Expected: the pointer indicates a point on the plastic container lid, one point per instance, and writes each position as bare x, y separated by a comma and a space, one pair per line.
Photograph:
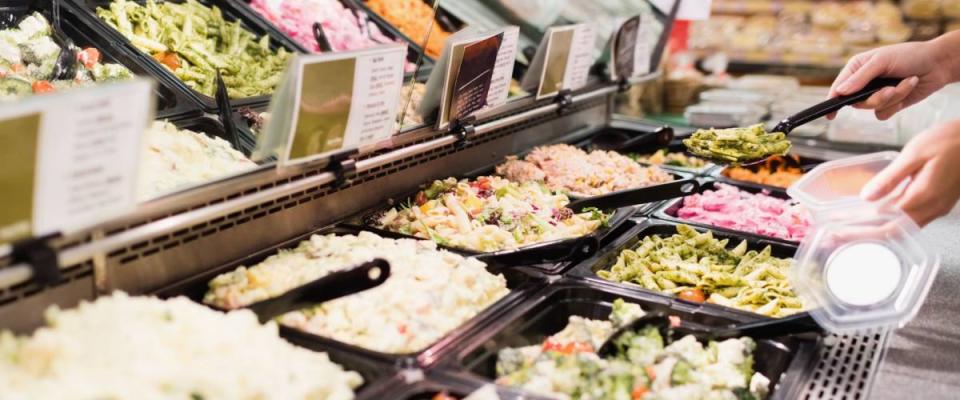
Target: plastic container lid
864, 264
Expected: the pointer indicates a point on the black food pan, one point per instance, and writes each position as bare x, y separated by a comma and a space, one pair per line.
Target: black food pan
804, 163
668, 211
230, 11
519, 282
786, 361
607, 257
171, 101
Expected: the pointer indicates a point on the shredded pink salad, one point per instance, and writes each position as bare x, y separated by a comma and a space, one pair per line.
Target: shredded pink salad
345, 30
760, 213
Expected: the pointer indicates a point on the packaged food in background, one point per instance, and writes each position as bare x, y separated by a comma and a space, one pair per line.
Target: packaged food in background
862, 126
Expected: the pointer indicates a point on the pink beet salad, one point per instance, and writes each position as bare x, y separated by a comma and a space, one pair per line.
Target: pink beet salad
344, 28
757, 213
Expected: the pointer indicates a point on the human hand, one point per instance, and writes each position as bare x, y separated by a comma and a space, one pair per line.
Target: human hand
932, 163
921, 63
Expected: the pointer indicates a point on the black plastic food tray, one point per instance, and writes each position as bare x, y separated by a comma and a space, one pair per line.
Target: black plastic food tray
413, 52
171, 102
785, 361
719, 174
668, 211
520, 283
230, 11
607, 256
542, 257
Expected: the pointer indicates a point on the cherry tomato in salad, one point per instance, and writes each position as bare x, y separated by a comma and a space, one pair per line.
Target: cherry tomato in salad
43, 87
694, 295
89, 57
421, 198
638, 392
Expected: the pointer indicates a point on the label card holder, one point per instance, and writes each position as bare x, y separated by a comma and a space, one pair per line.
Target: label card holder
638, 45
71, 159
473, 74
334, 102
562, 61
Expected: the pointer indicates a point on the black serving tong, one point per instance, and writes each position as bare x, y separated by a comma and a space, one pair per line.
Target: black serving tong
636, 196
763, 329
790, 123
66, 66
225, 112
329, 287
321, 38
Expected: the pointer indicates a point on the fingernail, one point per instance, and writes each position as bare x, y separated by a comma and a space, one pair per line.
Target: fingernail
913, 81
869, 191
843, 88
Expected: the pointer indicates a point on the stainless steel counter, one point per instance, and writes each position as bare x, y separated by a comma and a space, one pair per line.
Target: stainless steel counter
923, 358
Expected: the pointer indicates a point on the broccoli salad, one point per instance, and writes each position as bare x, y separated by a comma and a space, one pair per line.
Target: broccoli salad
646, 365
488, 214
28, 59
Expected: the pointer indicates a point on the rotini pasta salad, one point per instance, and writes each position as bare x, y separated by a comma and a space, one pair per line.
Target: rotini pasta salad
698, 267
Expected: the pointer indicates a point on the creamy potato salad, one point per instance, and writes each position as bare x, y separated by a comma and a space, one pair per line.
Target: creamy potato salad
175, 159
122, 347
646, 366
488, 214
429, 293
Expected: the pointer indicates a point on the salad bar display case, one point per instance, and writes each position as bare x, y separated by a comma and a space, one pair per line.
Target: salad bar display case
496, 288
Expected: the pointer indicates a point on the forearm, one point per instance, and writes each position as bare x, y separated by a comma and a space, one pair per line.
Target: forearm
947, 50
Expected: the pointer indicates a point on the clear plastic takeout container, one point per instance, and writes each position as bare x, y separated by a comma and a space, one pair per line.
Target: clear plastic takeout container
864, 264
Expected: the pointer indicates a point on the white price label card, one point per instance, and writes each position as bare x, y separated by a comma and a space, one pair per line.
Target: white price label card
473, 74
562, 62
71, 160
333, 102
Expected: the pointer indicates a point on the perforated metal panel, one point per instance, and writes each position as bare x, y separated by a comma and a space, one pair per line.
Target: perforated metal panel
847, 368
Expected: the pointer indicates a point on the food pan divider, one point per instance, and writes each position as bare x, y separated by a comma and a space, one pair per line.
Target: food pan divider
230, 13
606, 257
786, 361
520, 282
413, 52
718, 174
171, 101
668, 211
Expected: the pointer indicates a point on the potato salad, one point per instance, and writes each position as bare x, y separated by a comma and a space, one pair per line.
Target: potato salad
122, 347
429, 293
646, 365
488, 214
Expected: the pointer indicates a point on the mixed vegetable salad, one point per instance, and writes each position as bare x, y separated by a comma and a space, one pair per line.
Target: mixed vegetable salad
28, 62
644, 366
698, 267
489, 213
737, 145
195, 41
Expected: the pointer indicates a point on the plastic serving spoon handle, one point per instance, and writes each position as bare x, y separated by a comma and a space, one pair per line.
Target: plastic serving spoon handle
764, 329
332, 286
225, 112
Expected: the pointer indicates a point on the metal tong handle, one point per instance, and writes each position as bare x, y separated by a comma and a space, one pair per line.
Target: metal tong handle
225, 112
332, 286
630, 197
790, 123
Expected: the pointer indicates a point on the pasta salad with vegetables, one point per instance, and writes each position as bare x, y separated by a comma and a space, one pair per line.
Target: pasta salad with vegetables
489, 214
698, 267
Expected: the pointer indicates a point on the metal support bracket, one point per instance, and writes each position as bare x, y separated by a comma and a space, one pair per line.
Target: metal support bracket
343, 167
462, 129
41, 257
564, 101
